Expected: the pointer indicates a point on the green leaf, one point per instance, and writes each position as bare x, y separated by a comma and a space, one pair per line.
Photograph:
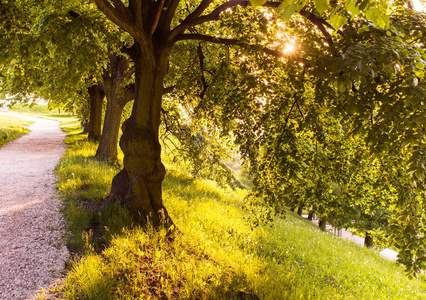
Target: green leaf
283, 6
353, 8
419, 73
408, 69
289, 11
337, 21
322, 5
363, 4
377, 16
420, 66
257, 2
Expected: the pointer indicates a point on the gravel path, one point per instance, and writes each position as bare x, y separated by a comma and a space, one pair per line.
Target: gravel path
32, 247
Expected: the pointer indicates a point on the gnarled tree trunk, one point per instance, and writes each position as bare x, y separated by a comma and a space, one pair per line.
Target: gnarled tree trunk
139, 184
117, 95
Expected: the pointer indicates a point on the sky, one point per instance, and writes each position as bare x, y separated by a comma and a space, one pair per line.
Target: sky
418, 5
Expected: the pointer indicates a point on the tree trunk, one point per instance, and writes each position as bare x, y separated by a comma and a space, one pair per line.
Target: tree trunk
311, 215
108, 144
322, 223
368, 241
95, 121
139, 185
112, 84
300, 210
85, 125
292, 209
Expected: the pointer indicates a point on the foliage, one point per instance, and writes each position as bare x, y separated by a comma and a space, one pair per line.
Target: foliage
58, 51
327, 128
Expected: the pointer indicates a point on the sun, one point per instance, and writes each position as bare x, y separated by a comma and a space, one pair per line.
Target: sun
289, 47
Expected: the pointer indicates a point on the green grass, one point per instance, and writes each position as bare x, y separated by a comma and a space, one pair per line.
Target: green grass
216, 254
12, 128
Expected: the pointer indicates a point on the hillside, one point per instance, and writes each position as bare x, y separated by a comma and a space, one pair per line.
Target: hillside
216, 253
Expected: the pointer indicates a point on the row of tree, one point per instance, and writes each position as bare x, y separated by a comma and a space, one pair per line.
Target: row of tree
336, 125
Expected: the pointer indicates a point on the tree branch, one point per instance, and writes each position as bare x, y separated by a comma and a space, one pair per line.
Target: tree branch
203, 78
215, 14
198, 11
136, 8
319, 23
119, 6
168, 89
157, 17
216, 40
122, 20
167, 16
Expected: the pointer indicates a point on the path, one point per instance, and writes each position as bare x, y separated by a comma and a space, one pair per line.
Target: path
385, 253
32, 247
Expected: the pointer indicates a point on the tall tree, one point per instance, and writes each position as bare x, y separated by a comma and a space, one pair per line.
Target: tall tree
155, 29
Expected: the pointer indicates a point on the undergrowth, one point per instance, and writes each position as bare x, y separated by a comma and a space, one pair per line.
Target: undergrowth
215, 254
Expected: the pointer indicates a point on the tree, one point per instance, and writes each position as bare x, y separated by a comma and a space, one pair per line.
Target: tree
116, 85
152, 24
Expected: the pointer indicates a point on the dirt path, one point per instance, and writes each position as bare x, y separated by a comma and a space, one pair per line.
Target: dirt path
32, 248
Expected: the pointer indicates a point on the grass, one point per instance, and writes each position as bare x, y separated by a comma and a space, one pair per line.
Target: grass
33, 110
216, 254
12, 128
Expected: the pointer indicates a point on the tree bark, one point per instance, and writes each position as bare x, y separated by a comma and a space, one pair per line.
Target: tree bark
112, 84
108, 143
95, 120
300, 210
139, 185
368, 241
311, 215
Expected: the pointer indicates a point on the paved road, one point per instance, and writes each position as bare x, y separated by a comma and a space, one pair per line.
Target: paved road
32, 248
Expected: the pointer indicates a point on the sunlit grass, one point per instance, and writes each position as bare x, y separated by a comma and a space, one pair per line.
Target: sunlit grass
12, 128
215, 254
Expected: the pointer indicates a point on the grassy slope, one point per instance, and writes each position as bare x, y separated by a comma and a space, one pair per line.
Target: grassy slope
12, 128
217, 255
